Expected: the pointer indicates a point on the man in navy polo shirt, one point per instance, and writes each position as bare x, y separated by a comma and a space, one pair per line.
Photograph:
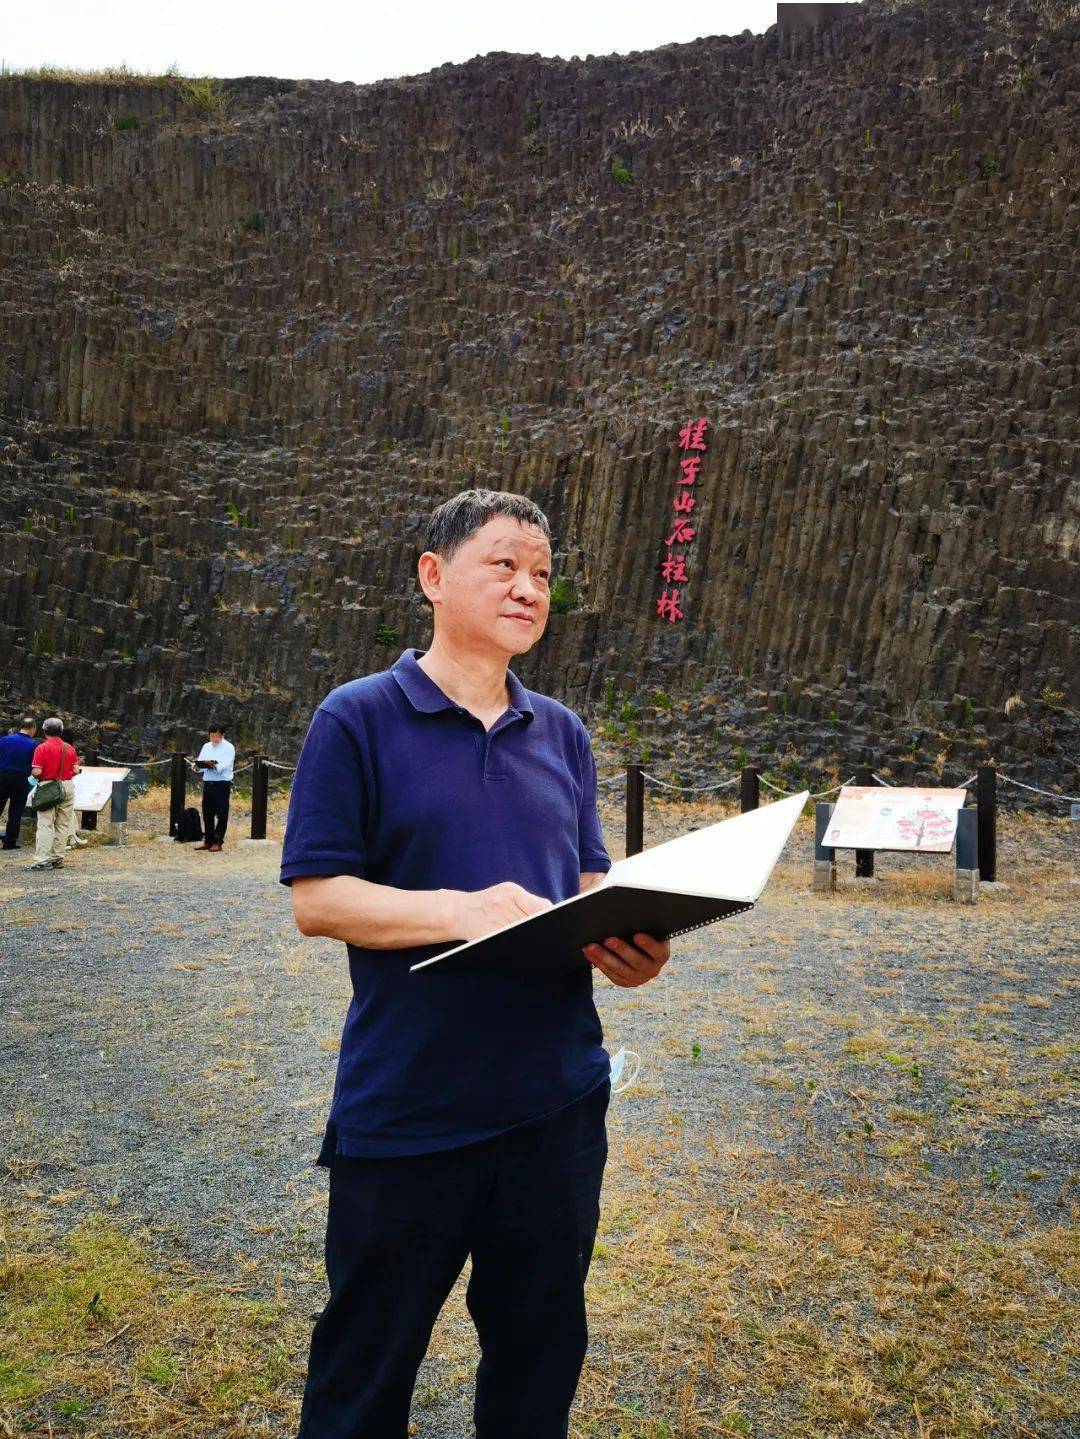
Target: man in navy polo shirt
434, 803
16, 757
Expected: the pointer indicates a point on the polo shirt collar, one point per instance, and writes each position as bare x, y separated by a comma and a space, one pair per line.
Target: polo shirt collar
425, 695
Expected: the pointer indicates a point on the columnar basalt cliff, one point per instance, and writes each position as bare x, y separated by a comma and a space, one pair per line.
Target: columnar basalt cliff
250, 334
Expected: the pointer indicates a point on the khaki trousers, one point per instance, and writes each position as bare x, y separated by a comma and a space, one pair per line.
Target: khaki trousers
53, 826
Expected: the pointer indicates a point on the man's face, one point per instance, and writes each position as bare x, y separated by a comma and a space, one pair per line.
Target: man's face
494, 592
216, 736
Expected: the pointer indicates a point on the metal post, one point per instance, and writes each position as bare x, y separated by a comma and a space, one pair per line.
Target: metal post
966, 879
118, 812
635, 809
260, 782
177, 792
824, 856
986, 800
749, 790
864, 858
89, 816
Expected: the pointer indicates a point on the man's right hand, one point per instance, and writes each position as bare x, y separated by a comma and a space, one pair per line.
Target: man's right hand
483, 911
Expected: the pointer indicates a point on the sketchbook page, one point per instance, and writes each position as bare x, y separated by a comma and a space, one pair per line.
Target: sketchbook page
729, 860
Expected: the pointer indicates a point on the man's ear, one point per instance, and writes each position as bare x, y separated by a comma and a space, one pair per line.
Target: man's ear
429, 570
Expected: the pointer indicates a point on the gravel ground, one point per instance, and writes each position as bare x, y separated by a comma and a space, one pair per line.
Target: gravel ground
168, 1040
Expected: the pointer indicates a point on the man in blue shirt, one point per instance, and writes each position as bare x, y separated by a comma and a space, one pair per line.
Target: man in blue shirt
16, 757
433, 803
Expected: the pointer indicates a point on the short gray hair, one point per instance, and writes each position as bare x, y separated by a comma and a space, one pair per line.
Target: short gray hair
53, 725
453, 522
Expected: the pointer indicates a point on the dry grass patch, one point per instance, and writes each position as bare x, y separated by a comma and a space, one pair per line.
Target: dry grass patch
94, 1332
774, 1305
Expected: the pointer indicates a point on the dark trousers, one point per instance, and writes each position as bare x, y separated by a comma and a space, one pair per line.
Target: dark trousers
525, 1206
14, 788
215, 810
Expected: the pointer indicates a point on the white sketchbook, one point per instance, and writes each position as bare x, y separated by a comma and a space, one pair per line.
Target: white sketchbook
672, 888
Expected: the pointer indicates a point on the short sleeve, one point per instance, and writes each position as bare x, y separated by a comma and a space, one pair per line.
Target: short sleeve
594, 858
330, 803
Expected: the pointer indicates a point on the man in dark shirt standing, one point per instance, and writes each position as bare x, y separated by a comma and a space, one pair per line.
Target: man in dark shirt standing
16, 757
433, 803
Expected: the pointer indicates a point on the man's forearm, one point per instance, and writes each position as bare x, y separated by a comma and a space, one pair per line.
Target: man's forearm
375, 916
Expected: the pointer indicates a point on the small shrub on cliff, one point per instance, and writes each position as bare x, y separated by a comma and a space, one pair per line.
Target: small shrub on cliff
254, 222
204, 95
562, 596
619, 173
126, 122
386, 636
534, 147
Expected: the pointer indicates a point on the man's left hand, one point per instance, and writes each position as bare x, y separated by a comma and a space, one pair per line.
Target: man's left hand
627, 964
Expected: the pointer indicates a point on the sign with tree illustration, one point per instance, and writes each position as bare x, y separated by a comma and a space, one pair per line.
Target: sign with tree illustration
93, 786
874, 817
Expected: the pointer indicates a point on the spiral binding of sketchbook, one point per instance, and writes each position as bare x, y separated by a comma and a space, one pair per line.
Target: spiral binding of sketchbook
666, 891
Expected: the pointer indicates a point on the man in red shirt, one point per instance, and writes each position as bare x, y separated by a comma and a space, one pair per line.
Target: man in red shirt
53, 759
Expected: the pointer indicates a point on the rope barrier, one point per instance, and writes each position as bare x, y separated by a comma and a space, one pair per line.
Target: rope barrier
822, 794
135, 763
835, 789
620, 777
774, 787
687, 788
1033, 789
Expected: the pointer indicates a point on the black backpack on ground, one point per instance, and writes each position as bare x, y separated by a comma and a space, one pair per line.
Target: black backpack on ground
189, 827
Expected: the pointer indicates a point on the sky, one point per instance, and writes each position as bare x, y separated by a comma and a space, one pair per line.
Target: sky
357, 40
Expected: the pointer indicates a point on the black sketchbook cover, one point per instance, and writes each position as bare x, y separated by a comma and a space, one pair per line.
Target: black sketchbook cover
684, 884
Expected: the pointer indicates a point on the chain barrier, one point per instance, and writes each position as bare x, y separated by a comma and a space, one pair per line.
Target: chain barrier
274, 764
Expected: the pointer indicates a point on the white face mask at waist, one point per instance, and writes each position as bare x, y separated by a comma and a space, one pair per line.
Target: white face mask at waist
625, 1066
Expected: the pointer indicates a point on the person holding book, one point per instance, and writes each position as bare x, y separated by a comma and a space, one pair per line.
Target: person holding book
216, 760
436, 802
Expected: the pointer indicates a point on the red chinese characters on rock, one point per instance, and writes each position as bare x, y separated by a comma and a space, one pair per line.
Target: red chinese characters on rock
673, 566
